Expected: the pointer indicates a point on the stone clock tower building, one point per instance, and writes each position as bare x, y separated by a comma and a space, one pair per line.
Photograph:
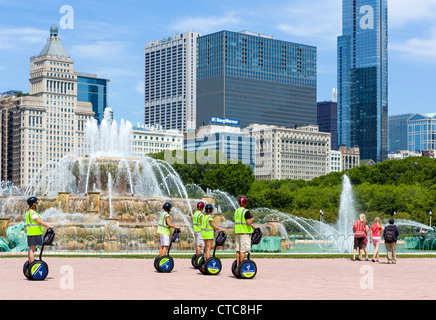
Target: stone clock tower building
39, 129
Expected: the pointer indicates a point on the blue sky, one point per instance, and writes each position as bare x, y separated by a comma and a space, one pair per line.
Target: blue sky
109, 37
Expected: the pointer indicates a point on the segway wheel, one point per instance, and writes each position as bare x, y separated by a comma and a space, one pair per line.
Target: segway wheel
247, 269
213, 266
26, 270
202, 266
155, 263
194, 257
234, 269
198, 261
165, 264
38, 270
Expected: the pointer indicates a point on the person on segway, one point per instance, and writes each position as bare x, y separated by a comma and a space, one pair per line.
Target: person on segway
243, 231
33, 227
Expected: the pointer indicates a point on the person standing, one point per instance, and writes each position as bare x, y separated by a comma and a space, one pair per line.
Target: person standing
33, 227
164, 229
198, 215
391, 234
360, 229
375, 237
243, 230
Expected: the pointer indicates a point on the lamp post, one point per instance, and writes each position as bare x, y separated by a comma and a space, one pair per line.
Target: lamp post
430, 217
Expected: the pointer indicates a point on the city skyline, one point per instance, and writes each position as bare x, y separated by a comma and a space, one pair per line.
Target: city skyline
112, 46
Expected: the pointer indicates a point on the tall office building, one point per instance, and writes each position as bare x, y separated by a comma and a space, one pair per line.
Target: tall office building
92, 89
398, 132
255, 78
47, 125
421, 133
328, 120
170, 82
363, 78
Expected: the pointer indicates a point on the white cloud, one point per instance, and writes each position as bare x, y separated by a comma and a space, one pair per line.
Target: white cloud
317, 20
207, 24
139, 87
422, 47
403, 12
10, 38
101, 50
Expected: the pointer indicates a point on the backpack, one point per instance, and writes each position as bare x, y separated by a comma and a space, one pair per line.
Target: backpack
389, 234
49, 237
256, 236
220, 239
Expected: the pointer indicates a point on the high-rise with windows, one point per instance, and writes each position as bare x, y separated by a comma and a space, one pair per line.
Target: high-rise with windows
170, 82
91, 88
398, 132
363, 78
38, 129
255, 78
421, 132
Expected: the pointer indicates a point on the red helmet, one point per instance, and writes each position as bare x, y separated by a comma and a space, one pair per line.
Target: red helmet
200, 206
243, 201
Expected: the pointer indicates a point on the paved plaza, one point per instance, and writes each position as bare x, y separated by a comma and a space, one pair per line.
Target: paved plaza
277, 279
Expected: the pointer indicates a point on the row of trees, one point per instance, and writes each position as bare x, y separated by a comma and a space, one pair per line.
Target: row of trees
407, 187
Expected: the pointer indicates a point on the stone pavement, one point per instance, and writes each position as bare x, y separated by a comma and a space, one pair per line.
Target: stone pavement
277, 279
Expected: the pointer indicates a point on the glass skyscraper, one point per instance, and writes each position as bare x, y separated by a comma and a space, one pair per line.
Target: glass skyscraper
92, 89
421, 132
255, 78
363, 78
398, 132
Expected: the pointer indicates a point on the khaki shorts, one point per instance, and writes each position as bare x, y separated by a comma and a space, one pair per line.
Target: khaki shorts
198, 239
243, 242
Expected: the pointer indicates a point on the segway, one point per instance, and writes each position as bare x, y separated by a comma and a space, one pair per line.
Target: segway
196, 259
247, 269
165, 264
38, 269
213, 265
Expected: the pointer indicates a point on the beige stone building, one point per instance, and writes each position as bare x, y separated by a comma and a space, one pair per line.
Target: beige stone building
350, 158
38, 129
290, 153
147, 139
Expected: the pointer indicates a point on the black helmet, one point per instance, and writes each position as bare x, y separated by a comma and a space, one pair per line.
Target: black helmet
209, 208
167, 207
32, 200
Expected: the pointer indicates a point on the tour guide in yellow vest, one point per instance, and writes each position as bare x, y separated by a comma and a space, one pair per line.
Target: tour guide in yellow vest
243, 230
164, 229
196, 221
33, 226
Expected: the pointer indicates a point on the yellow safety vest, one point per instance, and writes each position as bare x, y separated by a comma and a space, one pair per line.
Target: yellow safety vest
240, 222
206, 228
163, 226
32, 227
198, 215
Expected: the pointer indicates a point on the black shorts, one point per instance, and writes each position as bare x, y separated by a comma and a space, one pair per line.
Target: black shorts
34, 240
359, 243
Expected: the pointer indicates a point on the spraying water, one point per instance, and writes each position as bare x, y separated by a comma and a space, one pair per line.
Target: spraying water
347, 211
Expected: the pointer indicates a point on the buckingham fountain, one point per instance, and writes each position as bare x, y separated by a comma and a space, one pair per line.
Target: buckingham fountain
110, 201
